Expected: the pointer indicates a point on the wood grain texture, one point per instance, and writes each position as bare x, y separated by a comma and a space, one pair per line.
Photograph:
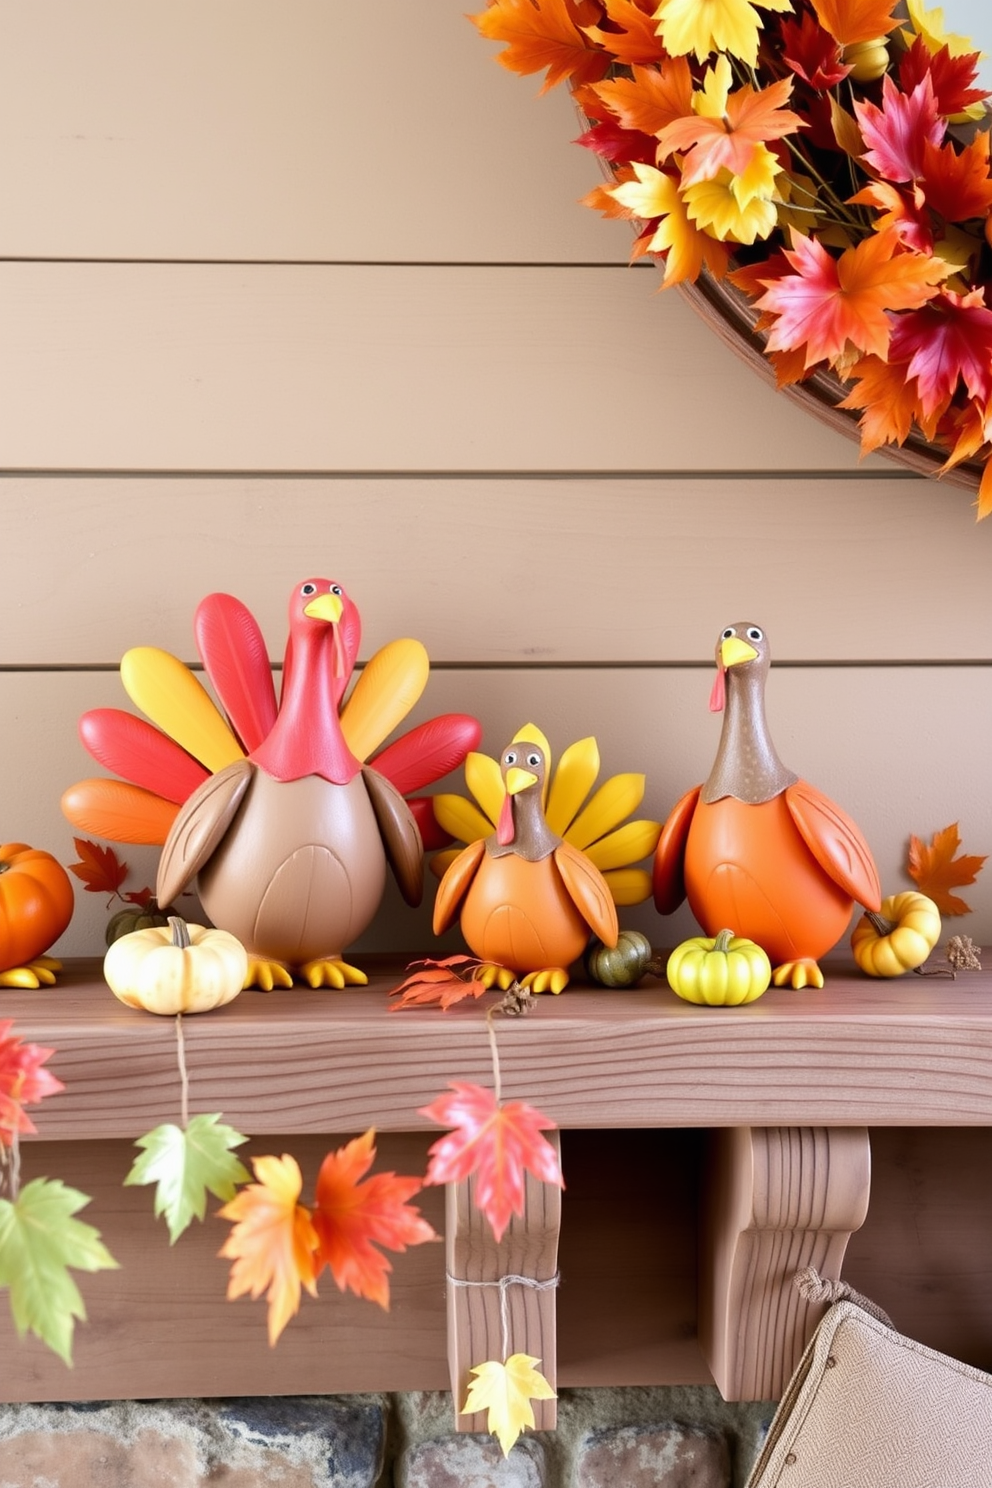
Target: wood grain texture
491, 1316
573, 569
160, 1326
314, 131
198, 367
776, 1200
915, 1052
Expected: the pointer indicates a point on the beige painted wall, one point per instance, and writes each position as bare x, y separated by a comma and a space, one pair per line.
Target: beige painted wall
290, 286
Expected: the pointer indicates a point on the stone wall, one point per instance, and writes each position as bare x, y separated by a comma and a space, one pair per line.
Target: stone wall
610, 1438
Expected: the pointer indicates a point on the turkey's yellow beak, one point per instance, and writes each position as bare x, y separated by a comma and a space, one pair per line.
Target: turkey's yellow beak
734, 651
518, 780
325, 607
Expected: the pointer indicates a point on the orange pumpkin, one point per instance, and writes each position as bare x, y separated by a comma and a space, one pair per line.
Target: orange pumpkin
36, 903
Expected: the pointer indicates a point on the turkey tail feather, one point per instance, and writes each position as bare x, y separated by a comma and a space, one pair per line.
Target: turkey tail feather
166, 691
137, 752
233, 652
429, 751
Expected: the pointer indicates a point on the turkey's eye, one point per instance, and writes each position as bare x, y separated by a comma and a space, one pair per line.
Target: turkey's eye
336, 589
533, 760
308, 589
510, 758
754, 634
728, 634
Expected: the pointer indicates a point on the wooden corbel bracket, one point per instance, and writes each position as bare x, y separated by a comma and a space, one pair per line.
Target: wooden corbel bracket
776, 1200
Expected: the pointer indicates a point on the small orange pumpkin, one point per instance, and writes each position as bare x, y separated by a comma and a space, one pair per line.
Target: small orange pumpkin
36, 903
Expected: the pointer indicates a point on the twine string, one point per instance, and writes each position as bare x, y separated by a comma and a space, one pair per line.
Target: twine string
504, 1283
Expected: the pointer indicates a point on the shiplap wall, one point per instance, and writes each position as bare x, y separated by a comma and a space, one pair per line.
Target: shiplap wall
290, 286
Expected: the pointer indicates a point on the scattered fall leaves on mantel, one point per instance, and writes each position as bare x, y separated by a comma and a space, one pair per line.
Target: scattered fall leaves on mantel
937, 868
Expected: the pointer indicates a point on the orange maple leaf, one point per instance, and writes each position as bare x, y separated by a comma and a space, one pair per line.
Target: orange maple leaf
888, 399
273, 1244
100, 869
439, 983
542, 35
856, 20
494, 1143
652, 99
831, 305
352, 1217
935, 869
635, 39
727, 141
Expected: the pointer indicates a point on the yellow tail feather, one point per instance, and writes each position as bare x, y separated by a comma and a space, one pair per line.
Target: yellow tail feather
168, 694
574, 779
389, 686
614, 801
628, 844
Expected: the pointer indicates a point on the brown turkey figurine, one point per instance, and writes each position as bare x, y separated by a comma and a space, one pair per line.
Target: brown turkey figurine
755, 848
282, 818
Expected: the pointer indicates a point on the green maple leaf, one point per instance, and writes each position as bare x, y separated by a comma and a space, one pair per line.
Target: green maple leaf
186, 1163
39, 1241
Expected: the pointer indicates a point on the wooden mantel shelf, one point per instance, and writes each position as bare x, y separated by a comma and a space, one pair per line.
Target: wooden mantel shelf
912, 1052
715, 1150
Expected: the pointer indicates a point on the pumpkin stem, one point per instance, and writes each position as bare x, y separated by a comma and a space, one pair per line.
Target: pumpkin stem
945, 971
656, 966
722, 941
180, 933
880, 923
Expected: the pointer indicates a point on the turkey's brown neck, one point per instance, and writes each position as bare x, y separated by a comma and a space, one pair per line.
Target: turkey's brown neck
306, 738
533, 839
746, 765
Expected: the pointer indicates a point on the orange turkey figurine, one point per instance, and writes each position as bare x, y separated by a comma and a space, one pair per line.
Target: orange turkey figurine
755, 848
527, 899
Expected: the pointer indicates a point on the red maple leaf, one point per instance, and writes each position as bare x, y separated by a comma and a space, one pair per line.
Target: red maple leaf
543, 36
728, 142
613, 142
944, 341
100, 869
829, 305
897, 132
951, 77
494, 1143
957, 183
812, 53
22, 1081
439, 983
352, 1217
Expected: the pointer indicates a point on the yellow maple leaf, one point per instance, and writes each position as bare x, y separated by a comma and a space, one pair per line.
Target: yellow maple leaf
506, 1391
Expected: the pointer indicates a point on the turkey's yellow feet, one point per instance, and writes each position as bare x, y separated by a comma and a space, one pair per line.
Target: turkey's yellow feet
798, 974
331, 971
37, 973
492, 975
551, 979
264, 974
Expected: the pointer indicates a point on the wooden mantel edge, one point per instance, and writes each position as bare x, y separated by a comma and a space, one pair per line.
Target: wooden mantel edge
916, 1052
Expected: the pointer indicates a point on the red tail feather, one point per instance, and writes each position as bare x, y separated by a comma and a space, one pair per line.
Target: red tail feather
137, 752
428, 752
236, 660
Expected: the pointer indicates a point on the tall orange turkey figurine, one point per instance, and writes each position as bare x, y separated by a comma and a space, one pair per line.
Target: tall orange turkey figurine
279, 817
755, 849
527, 899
